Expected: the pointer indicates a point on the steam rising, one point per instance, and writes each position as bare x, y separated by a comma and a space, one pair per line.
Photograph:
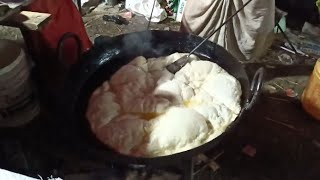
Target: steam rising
140, 43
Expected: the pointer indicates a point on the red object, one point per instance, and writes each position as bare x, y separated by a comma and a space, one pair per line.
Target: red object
65, 18
249, 150
291, 93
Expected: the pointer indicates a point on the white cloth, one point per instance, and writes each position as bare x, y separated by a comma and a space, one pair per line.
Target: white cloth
246, 36
144, 7
7, 175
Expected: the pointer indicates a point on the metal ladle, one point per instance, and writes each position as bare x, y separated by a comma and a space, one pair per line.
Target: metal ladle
181, 62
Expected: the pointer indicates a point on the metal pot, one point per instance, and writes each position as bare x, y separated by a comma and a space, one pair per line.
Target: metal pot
105, 58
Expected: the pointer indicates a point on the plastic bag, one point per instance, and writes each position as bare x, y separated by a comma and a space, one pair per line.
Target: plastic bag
144, 7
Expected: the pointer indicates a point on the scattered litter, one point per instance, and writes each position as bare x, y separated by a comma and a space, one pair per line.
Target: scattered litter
169, 11
305, 43
116, 19
118, 29
127, 15
180, 11
271, 89
287, 47
214, 166
285, 59
291, 93
166, 28
171, 8
292, 82
282, 124
249, 151
277, 85
283, 25
201, 158
310, 29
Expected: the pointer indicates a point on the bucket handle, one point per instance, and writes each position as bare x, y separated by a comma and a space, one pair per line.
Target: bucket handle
60, 47
255, 88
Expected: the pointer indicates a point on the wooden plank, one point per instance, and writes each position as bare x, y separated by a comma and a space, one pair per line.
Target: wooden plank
28, 20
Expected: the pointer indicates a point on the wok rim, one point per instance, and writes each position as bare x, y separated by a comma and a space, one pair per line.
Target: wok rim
114, 156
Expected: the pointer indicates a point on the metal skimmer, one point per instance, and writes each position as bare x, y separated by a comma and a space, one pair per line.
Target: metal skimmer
181, 62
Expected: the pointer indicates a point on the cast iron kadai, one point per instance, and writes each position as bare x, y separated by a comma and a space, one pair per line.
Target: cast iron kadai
106, 57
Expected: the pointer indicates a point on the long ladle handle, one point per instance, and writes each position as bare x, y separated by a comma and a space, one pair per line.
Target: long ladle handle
149, 22
144, 38
211, 34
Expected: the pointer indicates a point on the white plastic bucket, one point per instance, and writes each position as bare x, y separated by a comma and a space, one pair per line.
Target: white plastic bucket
18, 103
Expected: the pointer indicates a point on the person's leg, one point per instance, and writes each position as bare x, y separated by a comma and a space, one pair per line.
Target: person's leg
203, 16
245, 36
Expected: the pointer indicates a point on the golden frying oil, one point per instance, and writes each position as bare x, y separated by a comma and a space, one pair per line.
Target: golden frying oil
191, 103
148, 116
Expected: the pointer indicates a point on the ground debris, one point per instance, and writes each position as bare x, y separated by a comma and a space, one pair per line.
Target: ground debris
249, 151
214, 166
291, 93
282, 124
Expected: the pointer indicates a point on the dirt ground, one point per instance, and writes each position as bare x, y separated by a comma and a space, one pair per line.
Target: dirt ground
96, 26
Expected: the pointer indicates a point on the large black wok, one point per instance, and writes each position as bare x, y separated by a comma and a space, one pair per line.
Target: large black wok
105, 58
